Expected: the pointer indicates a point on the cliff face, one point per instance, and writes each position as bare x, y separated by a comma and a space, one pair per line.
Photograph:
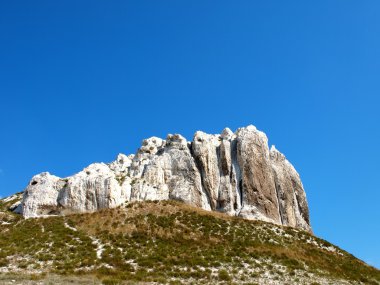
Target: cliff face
235, 173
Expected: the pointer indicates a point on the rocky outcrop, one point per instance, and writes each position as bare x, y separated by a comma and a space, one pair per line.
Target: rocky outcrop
169, 172
41, 195
95, 187
235, 173
292, 202
259, 199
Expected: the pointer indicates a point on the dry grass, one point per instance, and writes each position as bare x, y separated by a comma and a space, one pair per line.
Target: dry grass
169, 241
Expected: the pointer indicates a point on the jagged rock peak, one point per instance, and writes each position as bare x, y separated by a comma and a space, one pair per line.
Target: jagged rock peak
235, 173
226, 134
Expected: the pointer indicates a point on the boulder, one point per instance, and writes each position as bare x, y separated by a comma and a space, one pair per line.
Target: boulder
40, 196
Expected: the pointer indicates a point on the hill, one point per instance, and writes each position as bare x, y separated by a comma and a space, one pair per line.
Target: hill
167, 242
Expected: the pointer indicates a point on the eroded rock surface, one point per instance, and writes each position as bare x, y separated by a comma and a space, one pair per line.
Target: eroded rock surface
293, 206
41, 195
235, 173
95, 187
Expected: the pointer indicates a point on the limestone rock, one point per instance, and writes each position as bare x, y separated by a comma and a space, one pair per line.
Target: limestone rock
15, 200
259, 198
227, 186
121, 165
291, 195
145, 154
40, 196
94, 188
170, 174
213, 155
235, 173
205, 149
16, 207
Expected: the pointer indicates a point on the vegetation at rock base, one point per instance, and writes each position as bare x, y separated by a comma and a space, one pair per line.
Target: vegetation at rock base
169, 242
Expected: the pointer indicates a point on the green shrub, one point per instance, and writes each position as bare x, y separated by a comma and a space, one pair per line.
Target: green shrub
111, 281
223, 275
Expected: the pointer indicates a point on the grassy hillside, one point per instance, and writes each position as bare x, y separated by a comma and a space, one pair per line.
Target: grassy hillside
168, 243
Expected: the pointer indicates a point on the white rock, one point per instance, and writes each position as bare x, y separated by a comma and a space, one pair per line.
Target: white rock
233, 173
94, 188
259, 197
293, 206
170, 174
40, 196
121, 165
205, 151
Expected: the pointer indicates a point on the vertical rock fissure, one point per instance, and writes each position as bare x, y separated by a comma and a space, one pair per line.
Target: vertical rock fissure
199, 168
298, 204
219, 162
61, 193
96, 194
240, 189
296, 208
237, 171
278, 195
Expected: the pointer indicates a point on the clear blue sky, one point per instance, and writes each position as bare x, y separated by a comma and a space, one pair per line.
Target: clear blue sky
81, 81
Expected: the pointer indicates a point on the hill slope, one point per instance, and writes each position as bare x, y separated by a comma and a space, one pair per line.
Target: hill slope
167, 242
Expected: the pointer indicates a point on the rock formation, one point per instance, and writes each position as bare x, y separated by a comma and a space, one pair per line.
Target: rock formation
235, 173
